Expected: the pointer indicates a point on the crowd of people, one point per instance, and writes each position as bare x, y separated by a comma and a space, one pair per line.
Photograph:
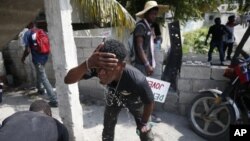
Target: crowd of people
126, 84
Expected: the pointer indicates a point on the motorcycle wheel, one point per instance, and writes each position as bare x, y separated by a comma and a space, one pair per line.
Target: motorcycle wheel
213, 125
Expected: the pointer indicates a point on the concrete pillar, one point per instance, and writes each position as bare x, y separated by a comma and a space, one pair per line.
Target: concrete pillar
64, 56
2, 68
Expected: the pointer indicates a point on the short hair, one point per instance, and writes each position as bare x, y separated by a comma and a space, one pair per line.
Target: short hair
115, 47
217, 20
231, 18
41, 105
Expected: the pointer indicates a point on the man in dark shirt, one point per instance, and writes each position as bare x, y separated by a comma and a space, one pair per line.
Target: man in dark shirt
217, 30
127, 87
34, 125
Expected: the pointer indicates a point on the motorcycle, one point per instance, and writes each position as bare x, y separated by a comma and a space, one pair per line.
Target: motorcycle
212, 111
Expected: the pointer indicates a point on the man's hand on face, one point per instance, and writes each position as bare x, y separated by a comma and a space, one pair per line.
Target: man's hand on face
102, 59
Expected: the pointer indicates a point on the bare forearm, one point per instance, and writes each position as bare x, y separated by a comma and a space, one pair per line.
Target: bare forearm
76, 74
142, 55
96, 60
148, 108
139, 47
25, 53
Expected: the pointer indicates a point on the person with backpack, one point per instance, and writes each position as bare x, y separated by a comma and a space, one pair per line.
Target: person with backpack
144, 36
37, 42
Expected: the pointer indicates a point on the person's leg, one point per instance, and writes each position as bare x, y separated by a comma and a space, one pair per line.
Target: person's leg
44, 80
136, 109
211, 49
225, 47
229, 51
220, 49
110, 120
39, 84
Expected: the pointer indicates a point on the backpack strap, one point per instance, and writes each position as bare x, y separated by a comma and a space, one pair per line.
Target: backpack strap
143, 24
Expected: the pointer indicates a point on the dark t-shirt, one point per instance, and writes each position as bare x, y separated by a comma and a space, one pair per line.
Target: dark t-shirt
217, 32
157, 30
142, 30
133, 86
32, 126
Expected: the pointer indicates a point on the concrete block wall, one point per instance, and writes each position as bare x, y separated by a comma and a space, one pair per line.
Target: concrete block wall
192, 78
25, 73
85, 47
195, 77
2, 67
12, 55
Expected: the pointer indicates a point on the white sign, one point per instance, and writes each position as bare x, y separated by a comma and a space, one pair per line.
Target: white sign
106, 33
159, 88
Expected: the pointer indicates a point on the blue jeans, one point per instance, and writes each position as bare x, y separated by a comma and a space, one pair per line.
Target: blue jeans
43, 82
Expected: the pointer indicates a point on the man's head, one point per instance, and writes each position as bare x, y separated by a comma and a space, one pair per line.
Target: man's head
217, 21
231, 18
152, 10
117, 48
151, 14
41, 106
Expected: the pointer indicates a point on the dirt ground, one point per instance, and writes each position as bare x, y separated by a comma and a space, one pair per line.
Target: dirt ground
172, 128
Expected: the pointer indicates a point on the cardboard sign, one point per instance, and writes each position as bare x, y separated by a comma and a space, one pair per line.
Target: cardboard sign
159, 88
107, 33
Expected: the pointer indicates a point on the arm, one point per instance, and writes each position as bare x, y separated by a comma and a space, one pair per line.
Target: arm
96, 60
148, 109
147, 98
208, 34
25, 53
142, 56
139, 49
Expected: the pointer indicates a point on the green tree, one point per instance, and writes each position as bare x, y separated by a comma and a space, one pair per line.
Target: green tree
103, 12
184, 9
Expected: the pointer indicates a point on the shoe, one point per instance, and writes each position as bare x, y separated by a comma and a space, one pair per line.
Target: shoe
222, 64
53, 104
228, 58
41, 92
155, 119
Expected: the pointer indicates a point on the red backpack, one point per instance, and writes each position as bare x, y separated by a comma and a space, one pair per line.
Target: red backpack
42, 45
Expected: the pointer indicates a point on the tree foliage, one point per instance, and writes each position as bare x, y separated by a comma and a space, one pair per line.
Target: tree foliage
184, 9
106, 12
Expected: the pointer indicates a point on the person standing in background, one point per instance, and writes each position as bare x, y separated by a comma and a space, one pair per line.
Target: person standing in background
29, 68
146, 33
217, 31
39, 60
229, 39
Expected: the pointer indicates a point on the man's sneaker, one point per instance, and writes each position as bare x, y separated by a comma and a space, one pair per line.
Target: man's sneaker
228, 58
155, 119
41, 92
53, 104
